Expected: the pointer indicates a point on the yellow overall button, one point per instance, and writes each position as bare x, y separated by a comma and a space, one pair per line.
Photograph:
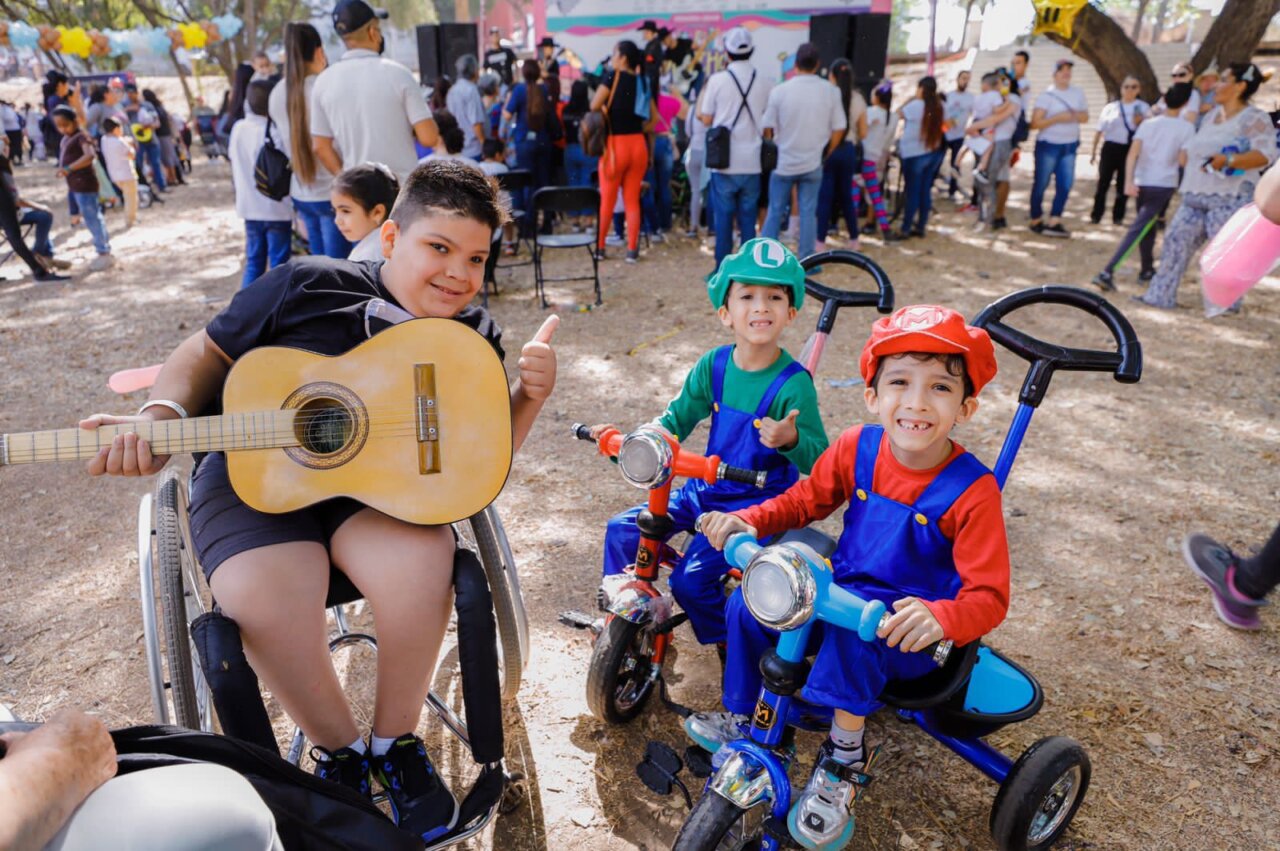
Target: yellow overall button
862, 495
922, 520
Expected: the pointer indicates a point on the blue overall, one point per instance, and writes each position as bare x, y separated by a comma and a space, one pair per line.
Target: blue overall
888, 550
696, 579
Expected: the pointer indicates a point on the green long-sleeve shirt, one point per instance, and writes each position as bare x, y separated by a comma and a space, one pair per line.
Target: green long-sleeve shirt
743, 391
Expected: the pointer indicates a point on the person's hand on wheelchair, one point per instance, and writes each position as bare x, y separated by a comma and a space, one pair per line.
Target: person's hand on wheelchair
128, 454
718, 526
912, 627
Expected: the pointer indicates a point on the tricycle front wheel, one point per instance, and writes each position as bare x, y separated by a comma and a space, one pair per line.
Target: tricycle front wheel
1040, 796
718, 824
620, 680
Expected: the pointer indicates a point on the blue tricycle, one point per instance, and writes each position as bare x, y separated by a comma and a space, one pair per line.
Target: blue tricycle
975, 690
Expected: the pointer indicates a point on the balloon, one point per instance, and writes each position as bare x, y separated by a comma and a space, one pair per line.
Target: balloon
118, 44
1246, 249
101, 44
4, 34
157, 41
211, 31
76, 41
229, 25
23, 36
193, 36
175, 39
50, 38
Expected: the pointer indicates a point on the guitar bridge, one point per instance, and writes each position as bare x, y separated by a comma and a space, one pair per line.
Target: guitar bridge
428, 416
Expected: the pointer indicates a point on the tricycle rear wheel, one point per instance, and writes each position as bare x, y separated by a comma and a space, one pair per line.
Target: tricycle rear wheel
619, 681
1040, 796
718, 824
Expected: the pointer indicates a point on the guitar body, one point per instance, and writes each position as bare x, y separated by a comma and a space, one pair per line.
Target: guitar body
415, 422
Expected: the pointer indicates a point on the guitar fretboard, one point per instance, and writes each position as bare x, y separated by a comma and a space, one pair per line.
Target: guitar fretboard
259, 430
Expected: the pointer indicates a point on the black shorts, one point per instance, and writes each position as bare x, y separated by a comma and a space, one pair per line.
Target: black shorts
223, 526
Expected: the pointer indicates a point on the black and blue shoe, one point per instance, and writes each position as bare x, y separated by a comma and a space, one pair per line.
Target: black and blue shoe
420, 802
345, 766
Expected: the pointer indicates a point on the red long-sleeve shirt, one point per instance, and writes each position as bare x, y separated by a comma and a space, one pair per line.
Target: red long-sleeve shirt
974, 524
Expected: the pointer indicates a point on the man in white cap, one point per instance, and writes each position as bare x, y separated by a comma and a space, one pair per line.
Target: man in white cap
735, 99
366, 108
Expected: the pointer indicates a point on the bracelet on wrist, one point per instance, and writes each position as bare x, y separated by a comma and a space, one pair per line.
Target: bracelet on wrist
165, 403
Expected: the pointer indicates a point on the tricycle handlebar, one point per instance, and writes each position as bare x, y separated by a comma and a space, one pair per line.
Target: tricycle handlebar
833, 299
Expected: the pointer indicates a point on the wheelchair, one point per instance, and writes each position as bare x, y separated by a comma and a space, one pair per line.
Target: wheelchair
176, 605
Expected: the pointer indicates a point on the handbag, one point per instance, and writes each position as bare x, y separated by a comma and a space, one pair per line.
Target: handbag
768, 155
718, 137
595, 126
271, 171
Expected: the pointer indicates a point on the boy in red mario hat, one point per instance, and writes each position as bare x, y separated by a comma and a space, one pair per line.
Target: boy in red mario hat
923, 532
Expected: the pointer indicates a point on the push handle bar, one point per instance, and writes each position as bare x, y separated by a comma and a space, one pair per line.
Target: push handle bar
709, 468
1125, 363
833, 299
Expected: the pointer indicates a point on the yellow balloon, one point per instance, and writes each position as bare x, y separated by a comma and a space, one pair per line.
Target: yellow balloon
1057, 16
76, 41
193, 36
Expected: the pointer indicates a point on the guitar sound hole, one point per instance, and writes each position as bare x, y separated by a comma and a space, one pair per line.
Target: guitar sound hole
324, 426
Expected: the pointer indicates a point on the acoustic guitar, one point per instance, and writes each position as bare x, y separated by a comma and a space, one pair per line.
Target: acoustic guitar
415, 422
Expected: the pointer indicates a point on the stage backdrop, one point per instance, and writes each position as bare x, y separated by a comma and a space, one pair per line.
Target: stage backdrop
589, 28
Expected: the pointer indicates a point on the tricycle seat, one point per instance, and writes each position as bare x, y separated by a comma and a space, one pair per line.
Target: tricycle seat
935, 687
817, 540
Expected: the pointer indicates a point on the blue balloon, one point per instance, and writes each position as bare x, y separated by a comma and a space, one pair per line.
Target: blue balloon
228, 25
23, 36
117, 44
158, 41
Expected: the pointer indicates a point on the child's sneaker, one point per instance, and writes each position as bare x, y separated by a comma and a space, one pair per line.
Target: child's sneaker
420, 802
821, 817
1216, 565
1146, 275
1103, 281
346, 766
711, 730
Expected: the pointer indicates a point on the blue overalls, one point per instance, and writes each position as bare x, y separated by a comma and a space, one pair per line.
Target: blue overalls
696, 579
888, 550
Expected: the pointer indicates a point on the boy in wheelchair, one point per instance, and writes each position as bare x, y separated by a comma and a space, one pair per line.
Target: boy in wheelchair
270, 572
924, 533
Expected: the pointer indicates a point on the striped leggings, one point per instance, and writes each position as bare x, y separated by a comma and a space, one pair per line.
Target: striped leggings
873, 192
1198, 220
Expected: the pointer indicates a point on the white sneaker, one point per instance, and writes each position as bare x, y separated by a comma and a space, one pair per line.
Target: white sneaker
821, 816
101, 263
710, 730
614, 240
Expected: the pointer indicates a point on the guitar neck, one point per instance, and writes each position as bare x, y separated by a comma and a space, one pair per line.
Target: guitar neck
229, 432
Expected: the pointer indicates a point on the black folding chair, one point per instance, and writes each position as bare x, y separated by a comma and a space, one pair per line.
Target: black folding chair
9, 253
567, 200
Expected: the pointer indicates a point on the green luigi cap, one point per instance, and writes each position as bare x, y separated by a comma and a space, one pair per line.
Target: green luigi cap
760, 262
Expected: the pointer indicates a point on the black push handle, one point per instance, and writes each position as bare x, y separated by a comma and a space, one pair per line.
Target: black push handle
581, 432
833, 299
744, 476
1125, 363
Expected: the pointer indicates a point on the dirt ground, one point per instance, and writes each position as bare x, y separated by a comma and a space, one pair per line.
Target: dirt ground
1178, 713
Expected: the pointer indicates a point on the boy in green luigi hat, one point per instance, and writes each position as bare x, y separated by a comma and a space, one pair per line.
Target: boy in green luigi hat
764, 416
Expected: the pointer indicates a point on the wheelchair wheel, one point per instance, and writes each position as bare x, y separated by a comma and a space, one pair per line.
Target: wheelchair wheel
619, 682
181, 601
1040, 796
718, 824
484, 533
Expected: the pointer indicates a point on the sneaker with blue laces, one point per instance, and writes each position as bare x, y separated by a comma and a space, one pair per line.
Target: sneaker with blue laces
420, 802
346, 766
711, 730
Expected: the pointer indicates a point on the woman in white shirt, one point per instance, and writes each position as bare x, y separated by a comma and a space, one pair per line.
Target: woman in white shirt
836, 196
921, 150
290, 110
1222, 163
1116, 126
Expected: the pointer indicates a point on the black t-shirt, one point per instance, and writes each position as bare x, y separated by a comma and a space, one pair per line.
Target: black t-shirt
654, 55
317, 304
501, 60
622, 113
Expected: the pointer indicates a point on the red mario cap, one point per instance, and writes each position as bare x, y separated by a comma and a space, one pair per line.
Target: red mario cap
934, 329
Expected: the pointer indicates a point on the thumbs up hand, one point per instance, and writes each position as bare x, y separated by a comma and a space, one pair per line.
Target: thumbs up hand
780, 434
538, 362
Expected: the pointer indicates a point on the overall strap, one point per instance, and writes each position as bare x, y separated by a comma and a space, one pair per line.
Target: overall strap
950, 484
719, 363
766, 401
864, 470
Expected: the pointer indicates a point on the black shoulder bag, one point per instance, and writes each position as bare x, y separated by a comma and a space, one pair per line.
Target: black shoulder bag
718, 137
271, 172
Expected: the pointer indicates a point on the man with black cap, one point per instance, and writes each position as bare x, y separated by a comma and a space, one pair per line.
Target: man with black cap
500, 59
366, 108
547, 57
654, 54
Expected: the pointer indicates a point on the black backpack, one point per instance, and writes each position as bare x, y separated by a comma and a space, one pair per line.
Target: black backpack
271, 172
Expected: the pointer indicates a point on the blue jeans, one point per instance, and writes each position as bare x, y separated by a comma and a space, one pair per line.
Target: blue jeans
807, 187
43, 221
87, 204
835, 198
578, 169
151, 150
663, 163
323, 236
919, 172
266, 246
733, 195
1058, 162
534, 155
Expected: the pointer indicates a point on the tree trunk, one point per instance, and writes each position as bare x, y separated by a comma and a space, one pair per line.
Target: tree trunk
1235, 33
964, 30
182, 78
1162, 12
1103, 44
1136, 33
250, 29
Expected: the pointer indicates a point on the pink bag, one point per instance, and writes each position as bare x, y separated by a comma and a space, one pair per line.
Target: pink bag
1246, 249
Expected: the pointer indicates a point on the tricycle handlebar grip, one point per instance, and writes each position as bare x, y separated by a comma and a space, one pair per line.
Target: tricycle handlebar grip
739, 549
582, 432
738, 474
938, 651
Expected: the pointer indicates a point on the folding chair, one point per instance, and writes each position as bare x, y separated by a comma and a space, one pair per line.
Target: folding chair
567, 200
26, 234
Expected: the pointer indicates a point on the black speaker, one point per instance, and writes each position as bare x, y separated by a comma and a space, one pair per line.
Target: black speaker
831, 34
440, 45
869, 47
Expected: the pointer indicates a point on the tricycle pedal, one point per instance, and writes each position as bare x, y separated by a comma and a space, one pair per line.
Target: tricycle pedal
581, 620
671, 623
659, 769
698, 761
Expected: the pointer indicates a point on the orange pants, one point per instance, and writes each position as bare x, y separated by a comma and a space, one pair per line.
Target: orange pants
623, 166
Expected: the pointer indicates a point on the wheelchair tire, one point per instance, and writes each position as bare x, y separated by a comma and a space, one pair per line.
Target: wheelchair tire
180, 603
716, 824
504, 586
618, 682
1040, 796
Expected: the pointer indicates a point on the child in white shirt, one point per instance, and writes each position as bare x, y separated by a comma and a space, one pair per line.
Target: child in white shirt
268, 224
118, 151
